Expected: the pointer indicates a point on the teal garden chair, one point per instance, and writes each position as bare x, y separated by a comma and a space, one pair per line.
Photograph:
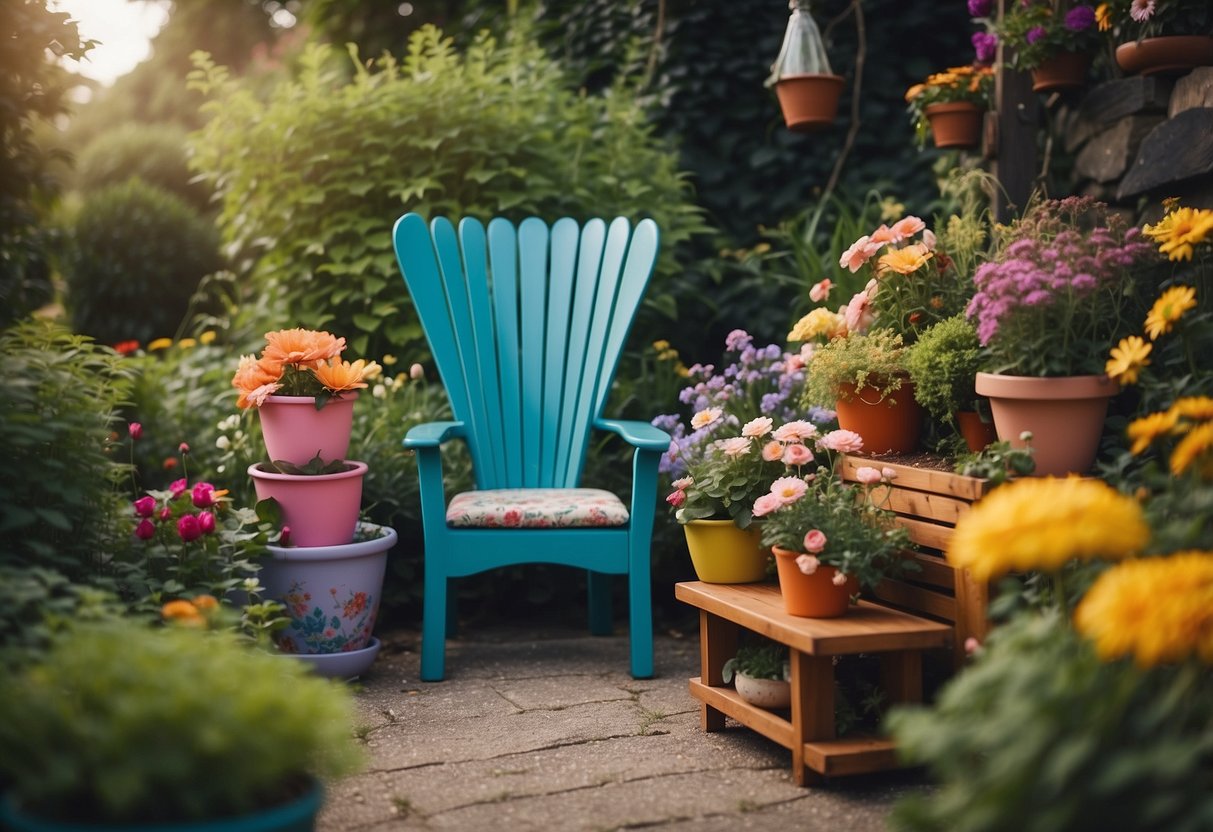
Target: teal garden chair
526, 326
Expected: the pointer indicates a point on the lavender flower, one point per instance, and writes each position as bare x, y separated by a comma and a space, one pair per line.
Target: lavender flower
1080, 18
1035, 34
985, 45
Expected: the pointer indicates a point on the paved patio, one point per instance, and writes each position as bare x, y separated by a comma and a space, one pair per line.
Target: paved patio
540, 728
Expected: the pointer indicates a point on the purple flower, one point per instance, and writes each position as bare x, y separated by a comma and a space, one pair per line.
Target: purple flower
985, 45
1035, 34
1080, 18
738, 340
980, 8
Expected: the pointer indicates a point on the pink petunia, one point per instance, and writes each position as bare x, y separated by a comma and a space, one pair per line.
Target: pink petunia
765, 504
842, 441
907, 227
858, 314
1141, 10
772, 451
858, 254
867, 475
814, 541
789, 489
797, 454
821, 290
807, 564
757, 427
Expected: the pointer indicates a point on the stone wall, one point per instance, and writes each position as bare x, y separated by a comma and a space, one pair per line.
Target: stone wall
1141, 139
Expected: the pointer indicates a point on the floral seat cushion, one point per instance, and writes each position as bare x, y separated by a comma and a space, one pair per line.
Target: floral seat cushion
536, 508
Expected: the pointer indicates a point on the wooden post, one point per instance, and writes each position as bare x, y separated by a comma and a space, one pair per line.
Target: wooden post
1014, 135
717, 644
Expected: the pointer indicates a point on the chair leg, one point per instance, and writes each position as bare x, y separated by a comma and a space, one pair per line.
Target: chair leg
433, 625
640, 621
598, 590
452, 608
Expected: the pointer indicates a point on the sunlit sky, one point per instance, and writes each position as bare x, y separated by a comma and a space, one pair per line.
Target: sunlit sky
124, 29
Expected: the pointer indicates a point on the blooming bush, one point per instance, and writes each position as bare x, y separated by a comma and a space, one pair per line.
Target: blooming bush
1128, 20
973, 84
299, 362
1036, 30
1060, 288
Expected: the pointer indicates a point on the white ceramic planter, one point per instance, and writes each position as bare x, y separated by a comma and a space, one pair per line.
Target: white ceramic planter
765, 693
331, 594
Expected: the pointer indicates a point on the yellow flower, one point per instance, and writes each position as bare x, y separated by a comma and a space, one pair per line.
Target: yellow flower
388, 360
160, 344
207, 337
661, 346
821, 322
1169, 308
1197, 441
904, 260
187, 343
1158, 610
914, 91
1193, 407
891, 209
1042, 523
1145, 430
1103, 17
1128, 359
1180, 230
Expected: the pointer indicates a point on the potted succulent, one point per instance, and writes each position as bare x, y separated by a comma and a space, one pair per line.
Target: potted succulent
124, 726
807, 88
951, 105
304, 393
1060, 290
1158, 38
761, 672
1053, 39
943, 365
319, 501
831, 539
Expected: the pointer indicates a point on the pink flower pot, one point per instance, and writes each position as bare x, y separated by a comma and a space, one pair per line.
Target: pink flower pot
295, 431
320, 509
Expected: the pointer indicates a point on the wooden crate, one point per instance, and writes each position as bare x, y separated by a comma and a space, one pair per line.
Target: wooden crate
928, 502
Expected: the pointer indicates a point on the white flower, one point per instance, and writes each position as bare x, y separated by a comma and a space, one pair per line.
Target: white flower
706, 417
757, 427
839, 579
807, 564
223, 443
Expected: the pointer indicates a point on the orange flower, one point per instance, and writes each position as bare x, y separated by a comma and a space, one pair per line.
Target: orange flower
254, 381
339, 376
182, 612
904, 260
206, 603
300, 346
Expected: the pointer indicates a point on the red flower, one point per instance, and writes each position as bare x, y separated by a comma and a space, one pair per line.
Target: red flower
204, 495
135, 430
170, 462
189, 528
126, 347
178, 487
206, 522
145, 530
513, 517
145, 506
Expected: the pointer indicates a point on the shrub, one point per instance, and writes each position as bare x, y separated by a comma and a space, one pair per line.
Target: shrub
943, 365
154, 153
140, 253
312, 179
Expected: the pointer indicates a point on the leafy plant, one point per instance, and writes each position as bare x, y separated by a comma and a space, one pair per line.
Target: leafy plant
139, 253
125, 724
312, 468
154, 153
998, 462
874, 364
758, 661
943, 365
37, 604
970, 84
1037, 30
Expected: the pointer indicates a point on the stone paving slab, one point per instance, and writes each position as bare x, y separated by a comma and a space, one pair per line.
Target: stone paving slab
545, 730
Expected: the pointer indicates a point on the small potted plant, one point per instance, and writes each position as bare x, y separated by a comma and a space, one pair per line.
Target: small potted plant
1157, 38
304, 393
1053, 39
831, 539
951, 105
943, 365
124, 726
761, 672
807, 88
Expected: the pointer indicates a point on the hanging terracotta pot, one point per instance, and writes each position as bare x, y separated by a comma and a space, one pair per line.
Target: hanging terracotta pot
888, 425
1170, 55
1065, 416
956, 124
812, 596
809, 102
724, 554
1063, 71
976, 433
320, 509
295, 431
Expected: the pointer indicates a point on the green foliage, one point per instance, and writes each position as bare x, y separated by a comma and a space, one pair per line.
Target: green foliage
36, 604
943, 365
59, 476
758, 661
997, 462
154, 153
313, 178
874, 362
139, 254
126, 724
1039, 734
314, 467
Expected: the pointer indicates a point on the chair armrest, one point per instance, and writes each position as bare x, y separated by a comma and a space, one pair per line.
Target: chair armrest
434, 434
638, 434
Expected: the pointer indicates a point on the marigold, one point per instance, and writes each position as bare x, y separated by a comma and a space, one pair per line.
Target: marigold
1197, 442
182, 612
1128, 358
1039, 524
1159, 610
1180, 231
1169, 308
1145, 430
340, 376
903, 260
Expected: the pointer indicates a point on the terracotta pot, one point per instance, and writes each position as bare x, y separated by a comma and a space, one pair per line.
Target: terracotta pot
765, 693
724, 554
957, 124
295, 431
321, 509
1169, 55
977, 434
812, 596
809, 102
889, 425
1063, 71
1065, 416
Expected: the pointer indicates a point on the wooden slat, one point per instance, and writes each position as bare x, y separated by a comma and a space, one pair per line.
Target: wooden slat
866, 628
917, 598
851, 755
768, 723
717, 644
920, 479
932, 570
929, 506
926, 533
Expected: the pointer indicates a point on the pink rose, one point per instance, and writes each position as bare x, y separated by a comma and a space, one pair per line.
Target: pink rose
807, 564
166, 514
888, 473
814, 541
842, 441
203, 495
797, 454
839, 579
145, 506
135, 430
189, 528
206, 522
178, 487
772, 451
765, 504
867, 475
145, 530
676, 497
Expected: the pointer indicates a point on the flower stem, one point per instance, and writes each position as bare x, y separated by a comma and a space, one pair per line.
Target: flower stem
1059, 590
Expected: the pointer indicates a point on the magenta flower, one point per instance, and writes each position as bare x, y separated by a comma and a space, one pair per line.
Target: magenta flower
203, 495
1035, 34
184, 448
980, 8
145, 506
206, 521
145, 530
986, 46
676, 497
284, 539
135, 430
178, 487
166, 514
189, 528
1080, 18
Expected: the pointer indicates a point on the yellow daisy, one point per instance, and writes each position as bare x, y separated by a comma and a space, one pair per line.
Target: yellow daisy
1128, 358
1197, 441
1169, 308
160, 344
1193, 407
1145, 430
1159, 610
1179, 231
1103, 17
1039, 524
